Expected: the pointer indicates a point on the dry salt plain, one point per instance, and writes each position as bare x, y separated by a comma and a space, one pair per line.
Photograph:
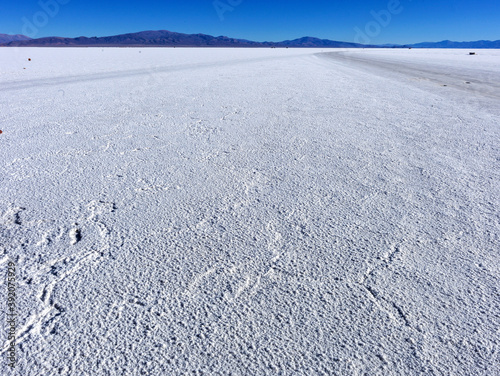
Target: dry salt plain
251, 211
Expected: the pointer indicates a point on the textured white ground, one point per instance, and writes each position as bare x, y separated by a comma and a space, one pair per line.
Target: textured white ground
251, 211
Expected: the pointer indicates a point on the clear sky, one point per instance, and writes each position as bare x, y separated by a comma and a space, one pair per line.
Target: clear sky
261, 20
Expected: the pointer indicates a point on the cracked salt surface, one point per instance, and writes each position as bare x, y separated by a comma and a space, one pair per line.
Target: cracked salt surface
257, 211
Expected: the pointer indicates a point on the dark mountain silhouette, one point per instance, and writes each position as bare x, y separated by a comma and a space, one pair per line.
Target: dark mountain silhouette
450, 44
315, 42
5, 38
164, 38
170, 39
144, 38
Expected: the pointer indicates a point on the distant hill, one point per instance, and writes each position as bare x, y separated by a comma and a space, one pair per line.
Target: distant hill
5, 38
164, 38
315, 42
450, 44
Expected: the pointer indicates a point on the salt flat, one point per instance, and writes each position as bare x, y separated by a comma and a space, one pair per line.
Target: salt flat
251, 211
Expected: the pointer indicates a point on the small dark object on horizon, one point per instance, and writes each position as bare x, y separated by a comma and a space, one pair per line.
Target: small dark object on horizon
1, 131
472, 53
29, 59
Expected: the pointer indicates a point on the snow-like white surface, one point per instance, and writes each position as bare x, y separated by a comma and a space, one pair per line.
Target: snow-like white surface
251, 211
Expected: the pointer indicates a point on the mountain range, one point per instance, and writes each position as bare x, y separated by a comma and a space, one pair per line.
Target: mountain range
164, 38
450, 44
6, 38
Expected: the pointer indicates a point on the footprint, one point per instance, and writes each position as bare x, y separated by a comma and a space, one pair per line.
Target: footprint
97, 207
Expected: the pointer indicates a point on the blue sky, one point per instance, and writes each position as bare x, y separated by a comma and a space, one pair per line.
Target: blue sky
371, 21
